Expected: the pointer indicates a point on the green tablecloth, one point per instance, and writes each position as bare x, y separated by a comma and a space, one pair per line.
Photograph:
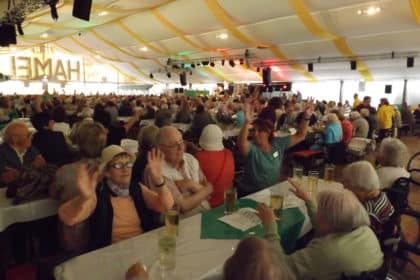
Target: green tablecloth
289, 225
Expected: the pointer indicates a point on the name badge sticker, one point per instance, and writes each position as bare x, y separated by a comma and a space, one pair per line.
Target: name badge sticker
275, 154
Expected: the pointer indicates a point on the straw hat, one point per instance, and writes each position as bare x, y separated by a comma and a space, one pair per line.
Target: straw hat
211, 138
109, 153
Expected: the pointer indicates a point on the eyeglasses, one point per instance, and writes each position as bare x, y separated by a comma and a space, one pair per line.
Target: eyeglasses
120, 165
179, 144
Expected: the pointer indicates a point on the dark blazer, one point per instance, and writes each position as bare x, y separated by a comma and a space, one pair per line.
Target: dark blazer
52, 146
9, 158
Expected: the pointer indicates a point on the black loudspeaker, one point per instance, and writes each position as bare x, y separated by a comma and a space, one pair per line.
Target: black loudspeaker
310, 67
353, 65
410, 62
176, 90
388, 89
266, 76
81, 9
7, 35
183, 79
181, 90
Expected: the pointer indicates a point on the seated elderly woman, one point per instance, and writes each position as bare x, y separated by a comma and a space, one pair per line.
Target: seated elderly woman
345, 244
360, 177
264, 156
115, 209
360, 125
332, 133
256, 259
392, 157
216, 162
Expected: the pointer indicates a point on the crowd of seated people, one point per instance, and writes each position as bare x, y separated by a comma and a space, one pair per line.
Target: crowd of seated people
107, 195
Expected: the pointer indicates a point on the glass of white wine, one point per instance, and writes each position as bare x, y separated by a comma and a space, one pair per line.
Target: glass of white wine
276, 203
313, 183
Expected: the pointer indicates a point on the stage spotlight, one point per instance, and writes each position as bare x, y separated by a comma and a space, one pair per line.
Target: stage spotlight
231, 62
169, 75
151, 76
241, 61
223, 62
193, 65
205, 63
212, 64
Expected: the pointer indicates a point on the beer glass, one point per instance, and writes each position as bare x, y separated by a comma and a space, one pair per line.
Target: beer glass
329, 172
172, 222
313, 183
230, 200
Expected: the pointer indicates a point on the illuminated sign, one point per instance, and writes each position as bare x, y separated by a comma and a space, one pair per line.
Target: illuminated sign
34, 68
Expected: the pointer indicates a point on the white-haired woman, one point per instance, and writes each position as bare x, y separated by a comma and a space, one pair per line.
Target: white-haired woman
392, 157
345, 244
360, 125
360, 177
332, 133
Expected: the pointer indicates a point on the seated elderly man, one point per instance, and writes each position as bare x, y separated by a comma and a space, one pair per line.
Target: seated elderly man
392, 157
360, 177
17, 153
182, 173
344, 244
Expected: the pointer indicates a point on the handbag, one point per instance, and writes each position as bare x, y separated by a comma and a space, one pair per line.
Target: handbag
33, 183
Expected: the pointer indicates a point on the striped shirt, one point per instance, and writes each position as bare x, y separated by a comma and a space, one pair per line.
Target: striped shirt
380, 210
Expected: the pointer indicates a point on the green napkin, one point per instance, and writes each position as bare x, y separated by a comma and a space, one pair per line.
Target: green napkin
289, 225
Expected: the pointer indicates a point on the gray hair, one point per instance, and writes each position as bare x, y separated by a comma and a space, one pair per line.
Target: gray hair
365, 112
341, 210
255, 258
332, 118
354, 115
393, 152
147, 137
361, 175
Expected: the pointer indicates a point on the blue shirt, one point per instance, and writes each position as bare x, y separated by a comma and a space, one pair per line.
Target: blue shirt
240, 119
263, 169
333, 133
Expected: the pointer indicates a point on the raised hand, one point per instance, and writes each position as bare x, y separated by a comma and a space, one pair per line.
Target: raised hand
154, 165
309, 108
266, 214
86, 179
248, 111
298, 191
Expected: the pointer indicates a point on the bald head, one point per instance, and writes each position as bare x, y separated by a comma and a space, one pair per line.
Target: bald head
170, 142
17, 135
168, 135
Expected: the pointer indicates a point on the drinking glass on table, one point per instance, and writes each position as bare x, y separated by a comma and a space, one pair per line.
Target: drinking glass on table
329, 172
298, 173
313, 183
230, 200
276, 203
167, 250
172, 222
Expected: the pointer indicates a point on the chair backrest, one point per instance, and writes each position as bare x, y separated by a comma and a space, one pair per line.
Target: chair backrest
398, 193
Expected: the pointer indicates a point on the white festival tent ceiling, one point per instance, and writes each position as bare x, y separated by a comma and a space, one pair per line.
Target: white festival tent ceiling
287, 34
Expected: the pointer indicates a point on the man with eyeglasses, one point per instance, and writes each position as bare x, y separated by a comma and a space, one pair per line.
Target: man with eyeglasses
17, 153
182, 173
